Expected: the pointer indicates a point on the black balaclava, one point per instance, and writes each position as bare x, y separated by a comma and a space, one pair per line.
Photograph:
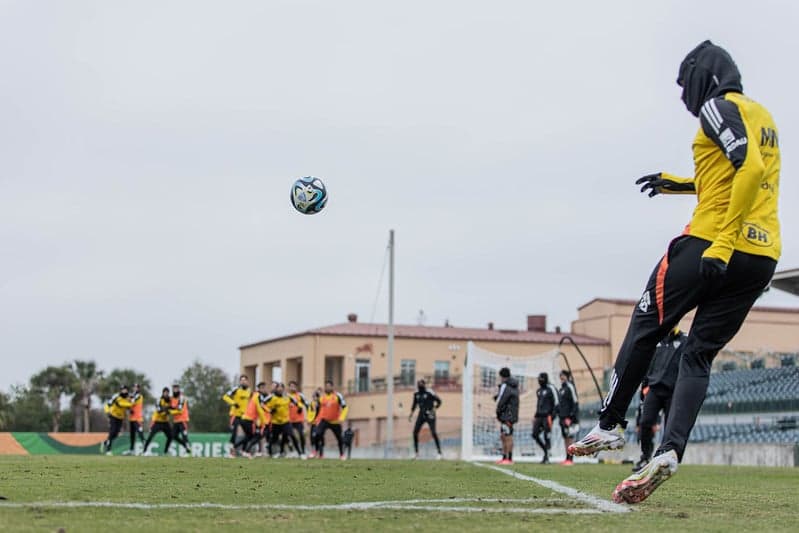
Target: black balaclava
706, 72
543, 379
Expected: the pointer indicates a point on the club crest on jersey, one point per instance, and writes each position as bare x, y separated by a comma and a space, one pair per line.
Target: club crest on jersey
645, 302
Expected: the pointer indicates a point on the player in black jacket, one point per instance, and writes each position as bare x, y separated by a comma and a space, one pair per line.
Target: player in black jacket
568, 407
544, 413
507, 413
661, 378
427, 402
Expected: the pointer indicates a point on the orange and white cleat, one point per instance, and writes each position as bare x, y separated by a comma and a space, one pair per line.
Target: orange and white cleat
599, 439
643, 483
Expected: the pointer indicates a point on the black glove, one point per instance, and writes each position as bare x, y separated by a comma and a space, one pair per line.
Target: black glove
712, 269
656, 184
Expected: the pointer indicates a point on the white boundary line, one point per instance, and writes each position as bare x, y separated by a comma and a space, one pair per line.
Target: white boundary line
593, 501
409, 505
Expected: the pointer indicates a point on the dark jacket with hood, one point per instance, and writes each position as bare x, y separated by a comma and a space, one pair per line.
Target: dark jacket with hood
707, 72
508, 401
665, 364
547, 398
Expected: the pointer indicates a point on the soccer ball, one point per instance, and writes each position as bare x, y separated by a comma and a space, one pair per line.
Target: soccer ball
308, 195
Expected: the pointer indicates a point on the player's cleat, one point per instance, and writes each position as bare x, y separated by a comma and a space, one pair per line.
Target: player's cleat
567, 462
640, 464
109, 453
343, 457
599, 439
545, 460
304, 457
640, 485
438, 457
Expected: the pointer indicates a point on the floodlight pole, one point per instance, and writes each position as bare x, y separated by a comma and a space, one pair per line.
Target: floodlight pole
390, 355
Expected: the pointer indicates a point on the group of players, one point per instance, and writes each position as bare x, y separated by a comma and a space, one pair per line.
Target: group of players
259, 419
551, 403
273, 414
171, 417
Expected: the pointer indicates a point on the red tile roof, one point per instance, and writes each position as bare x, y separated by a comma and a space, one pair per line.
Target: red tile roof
359, 329
630, 303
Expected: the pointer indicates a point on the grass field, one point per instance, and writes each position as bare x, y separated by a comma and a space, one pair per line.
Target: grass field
165, 494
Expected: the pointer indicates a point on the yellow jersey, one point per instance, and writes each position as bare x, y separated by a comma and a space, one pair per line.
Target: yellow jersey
117, 406
736, 179
163, 408
237, 398
278, 406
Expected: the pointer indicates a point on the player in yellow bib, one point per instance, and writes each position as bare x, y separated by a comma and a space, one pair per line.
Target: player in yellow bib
278, 406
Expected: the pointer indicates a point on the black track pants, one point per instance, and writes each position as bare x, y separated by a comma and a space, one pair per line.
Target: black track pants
659, 397
431, 423
324, 425
675, 288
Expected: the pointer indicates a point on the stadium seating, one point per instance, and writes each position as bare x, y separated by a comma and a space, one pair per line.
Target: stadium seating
740, 391
756, 390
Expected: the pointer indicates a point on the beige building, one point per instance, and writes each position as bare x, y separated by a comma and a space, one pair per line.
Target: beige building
353, 355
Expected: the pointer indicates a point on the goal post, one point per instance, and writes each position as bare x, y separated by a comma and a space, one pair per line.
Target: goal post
480, 429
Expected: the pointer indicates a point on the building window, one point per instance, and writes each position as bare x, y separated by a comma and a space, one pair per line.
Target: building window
441, 373
408, 372
488, 378
362, 368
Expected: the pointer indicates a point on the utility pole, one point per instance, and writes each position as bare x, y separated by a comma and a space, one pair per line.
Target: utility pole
390, 358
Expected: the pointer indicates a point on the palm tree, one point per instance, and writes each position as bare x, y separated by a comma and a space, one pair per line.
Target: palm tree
87, 380
55, 381
111, 382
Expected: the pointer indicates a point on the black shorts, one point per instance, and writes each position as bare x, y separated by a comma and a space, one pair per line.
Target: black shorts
506, 428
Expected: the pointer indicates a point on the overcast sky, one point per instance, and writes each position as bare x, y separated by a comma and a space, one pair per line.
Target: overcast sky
147, 150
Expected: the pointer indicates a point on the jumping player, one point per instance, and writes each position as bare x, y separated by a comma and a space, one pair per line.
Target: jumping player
116, 408
297, 409
136, 417
160, 420
313, 421
507, 413
278, 406
237, 398
253, 415
180, 418
427, 401
332, 412
719, 266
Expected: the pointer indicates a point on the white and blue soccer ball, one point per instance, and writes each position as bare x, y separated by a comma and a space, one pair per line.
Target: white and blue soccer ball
308, 195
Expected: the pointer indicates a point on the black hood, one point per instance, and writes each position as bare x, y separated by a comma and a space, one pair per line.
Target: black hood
706, 72
512, 383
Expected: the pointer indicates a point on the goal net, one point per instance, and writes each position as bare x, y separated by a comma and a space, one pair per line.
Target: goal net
480, 429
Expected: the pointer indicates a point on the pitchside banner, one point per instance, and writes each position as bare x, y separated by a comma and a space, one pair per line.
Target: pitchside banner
18, 443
